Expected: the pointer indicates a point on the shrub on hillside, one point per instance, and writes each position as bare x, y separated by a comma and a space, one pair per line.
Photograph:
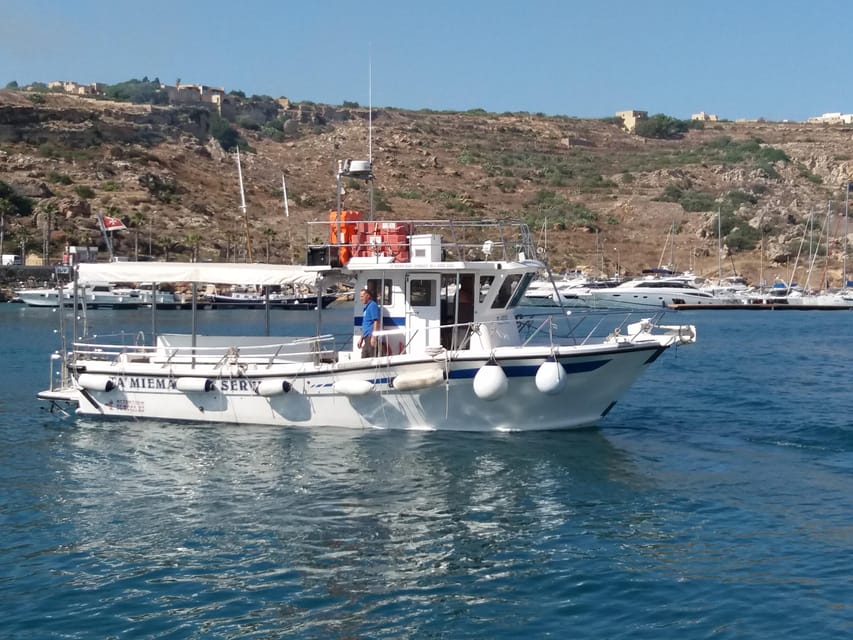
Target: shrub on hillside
662, 127
138, 91
12, 203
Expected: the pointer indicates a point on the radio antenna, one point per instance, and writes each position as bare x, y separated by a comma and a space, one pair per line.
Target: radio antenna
370, 105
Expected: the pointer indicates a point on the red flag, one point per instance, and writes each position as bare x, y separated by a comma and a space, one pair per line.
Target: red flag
113, 224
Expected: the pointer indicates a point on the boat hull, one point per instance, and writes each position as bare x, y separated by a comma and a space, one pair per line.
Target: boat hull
643, 301
354, 396
50, 298
280, 303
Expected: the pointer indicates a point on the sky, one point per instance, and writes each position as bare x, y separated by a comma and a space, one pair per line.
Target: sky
586, 59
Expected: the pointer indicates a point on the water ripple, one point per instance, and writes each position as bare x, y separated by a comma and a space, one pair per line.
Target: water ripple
714, 502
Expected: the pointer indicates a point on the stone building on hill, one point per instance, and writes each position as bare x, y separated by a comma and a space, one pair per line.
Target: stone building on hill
631, 117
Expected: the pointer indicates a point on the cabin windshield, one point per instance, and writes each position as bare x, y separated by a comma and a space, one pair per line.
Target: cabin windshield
512, 288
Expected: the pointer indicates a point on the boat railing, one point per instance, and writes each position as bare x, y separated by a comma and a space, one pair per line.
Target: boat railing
215, 350
470, 240
579, 326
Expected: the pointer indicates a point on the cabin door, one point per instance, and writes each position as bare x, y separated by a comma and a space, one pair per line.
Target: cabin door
423, 311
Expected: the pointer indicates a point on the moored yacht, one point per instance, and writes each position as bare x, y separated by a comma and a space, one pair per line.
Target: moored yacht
95, 295
653, 291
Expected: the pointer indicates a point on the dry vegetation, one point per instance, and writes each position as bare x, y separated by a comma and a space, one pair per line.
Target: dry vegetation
603, 194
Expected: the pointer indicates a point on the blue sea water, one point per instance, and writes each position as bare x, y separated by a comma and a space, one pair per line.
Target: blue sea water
714, 501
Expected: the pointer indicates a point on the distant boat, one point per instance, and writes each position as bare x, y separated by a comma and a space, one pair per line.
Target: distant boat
95, 296
781, 294
659, 288
571, 290
258, 300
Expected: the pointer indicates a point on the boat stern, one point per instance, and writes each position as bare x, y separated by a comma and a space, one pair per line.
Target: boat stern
63, 402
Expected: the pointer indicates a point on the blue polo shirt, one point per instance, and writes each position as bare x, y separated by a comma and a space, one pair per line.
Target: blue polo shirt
371, 313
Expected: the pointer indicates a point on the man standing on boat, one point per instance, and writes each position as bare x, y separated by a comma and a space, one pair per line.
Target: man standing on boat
369, 324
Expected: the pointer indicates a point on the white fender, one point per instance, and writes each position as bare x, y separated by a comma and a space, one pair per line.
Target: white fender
551, 377
490, 382
189, 384
95, 382
418, 379
353, 387
273, 387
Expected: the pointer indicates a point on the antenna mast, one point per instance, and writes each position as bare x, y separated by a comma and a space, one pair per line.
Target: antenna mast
370, 124
370, 108
356, 169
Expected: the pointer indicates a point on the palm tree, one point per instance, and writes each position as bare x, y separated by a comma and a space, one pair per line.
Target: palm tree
270, 235
49, 210
137, 219
22, 238
6, 207
193, 239
168, 243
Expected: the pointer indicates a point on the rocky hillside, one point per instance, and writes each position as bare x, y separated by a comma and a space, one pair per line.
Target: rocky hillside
595, 196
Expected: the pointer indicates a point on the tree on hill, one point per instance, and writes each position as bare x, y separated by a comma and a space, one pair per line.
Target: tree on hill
227, 135
661, 127
12, 203
137, 91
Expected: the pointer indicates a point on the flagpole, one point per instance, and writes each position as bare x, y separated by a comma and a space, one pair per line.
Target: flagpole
287, 215
106, 235
284, 195
244, 210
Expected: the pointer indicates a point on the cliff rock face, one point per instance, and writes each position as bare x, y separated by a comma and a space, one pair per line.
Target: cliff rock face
595, 196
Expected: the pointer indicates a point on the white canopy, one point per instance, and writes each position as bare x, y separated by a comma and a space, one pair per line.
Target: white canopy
202, 272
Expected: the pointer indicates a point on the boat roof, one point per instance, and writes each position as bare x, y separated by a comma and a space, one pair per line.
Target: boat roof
217, 272
373, 246
369, 264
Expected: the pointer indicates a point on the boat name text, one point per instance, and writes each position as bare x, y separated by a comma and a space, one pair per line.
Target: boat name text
128, 383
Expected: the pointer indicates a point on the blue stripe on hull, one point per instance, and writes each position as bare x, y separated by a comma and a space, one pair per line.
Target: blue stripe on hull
526, 370
387, 321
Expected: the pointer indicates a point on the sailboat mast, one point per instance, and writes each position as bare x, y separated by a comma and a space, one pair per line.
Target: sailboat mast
244, 210
672, 248
847, 186
720, 245
663, 251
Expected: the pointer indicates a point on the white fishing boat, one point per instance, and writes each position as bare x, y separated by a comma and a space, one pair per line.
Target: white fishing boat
454, 354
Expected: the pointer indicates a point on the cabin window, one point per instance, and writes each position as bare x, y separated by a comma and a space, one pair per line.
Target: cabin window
381, 289
485, 285
505, 292
519, 290
422, 293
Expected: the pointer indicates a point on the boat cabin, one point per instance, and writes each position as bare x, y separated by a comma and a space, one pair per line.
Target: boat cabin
429, 303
